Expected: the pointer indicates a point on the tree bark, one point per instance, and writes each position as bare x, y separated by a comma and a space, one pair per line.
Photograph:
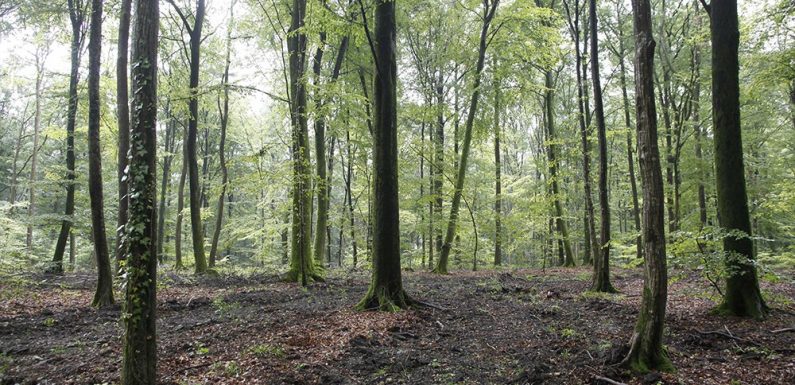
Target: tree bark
223, 110
386, 288
302, 268
742, 297
139, 362
76, 16
489, 10
104, 294
178, 265
601, 277
123, 119
171, 133
646, 345
628, 123
497, 179
34, 157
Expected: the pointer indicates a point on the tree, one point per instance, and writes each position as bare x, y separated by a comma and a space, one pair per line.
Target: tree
123, 118
223, 111
601, 277
76, 16
104, 294
139, 362
35, 156
302, 267
646, 345
386, 287
591, 243
497, 177
489, 10
197, 233
742, 297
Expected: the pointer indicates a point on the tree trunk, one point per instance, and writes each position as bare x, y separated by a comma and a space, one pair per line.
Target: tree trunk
349, 194
497, 180
490, 9
180, 207
104, 294
438, 163
139, 362
197, 233
601, 277
123, 119
223, 110
591, 243
76, 17
696, 118
560, 221
302, 268
742, 297
386, 288
628, 123
34, 157
646, 346
171, 133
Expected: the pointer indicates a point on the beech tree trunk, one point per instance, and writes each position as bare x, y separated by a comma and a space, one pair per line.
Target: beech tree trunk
601, 277
123, 119
171, 133
489, 10
178, 265
386, 288
591, 243
497, 180
742, 297
302, 268
646, 345
628, 122
76, 16
223, 110
139, 362
104, 294
34, 157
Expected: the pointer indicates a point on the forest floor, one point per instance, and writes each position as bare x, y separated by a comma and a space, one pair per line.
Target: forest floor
491, 327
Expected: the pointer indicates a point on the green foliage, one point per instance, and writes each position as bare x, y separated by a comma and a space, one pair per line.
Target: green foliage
267, 350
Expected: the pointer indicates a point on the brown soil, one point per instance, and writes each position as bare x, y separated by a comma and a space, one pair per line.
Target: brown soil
493, 327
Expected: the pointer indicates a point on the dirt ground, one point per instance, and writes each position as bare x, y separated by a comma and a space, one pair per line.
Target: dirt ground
492, 327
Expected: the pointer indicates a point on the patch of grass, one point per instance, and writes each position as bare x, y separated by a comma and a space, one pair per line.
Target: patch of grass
201, 350
267, 350
584, 276
567, 333
49, 322
602, 296
5, 363
222, 307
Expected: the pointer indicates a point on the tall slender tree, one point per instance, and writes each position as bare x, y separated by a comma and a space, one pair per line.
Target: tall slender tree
195, 201
386, 287
139, 362
123, 118
104, 294
76, 16
601, 276
646, 346
497, 176
742, 297
488, 13
223, 111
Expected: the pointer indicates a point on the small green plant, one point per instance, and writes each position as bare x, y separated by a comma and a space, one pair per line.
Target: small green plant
201, 350
222, 307
568, 332
5, 362
49, 322
232, 369
267, 350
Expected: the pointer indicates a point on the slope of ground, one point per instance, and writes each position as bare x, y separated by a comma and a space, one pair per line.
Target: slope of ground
492, 327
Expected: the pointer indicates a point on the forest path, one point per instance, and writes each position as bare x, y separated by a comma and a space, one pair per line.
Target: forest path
490, 327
